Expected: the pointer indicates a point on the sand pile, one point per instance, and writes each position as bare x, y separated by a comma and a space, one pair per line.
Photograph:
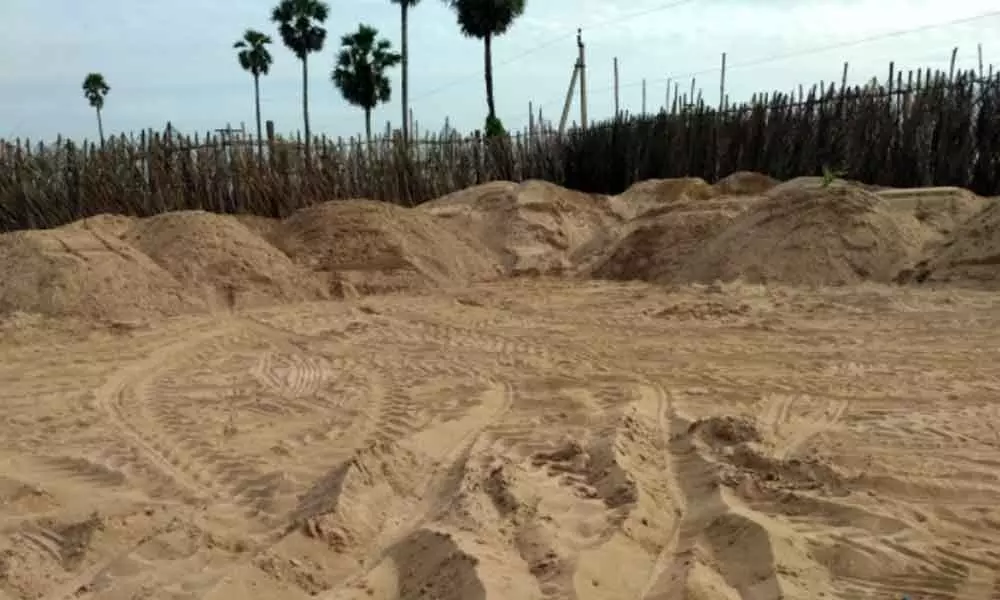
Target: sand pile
219, 259
79, 273
381, 247
744, 183
940, 210
656, 244
534, 227
656, 193
811, 182
804, 235
970, 256
105, 225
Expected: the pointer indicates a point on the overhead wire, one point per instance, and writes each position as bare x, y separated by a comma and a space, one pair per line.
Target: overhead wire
557, 39
798, 53
816, 49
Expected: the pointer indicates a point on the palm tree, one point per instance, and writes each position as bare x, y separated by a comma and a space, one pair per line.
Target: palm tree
255, 58
484, 20
404, 6
298, 23
95, 88
360, 71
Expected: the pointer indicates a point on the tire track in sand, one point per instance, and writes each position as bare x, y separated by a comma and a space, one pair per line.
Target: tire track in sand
792, 432
124, 387
668, 564
440, 490
201, 476
203, 470
742, 549
339, 426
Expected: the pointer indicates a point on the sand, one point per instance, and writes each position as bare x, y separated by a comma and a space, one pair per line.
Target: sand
520, 439
87, 274
744, 183
526, 437
657, 243
222, 261
381, 247
963, 245
839, 235
535, 227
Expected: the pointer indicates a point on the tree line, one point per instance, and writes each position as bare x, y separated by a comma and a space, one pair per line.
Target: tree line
361, 65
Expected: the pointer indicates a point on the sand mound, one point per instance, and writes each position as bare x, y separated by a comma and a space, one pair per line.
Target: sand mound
534, 227
105, 225
744, 183
219, 259
970, 256
942, 210
812, 182
655, 193
657, 243
802, 235
79, 273
380, 247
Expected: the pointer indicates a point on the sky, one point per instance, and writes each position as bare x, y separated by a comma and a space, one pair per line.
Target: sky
174, 61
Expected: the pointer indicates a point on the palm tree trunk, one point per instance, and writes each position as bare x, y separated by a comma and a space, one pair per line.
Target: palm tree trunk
100, 126
305, 105
487, 42
404, 5
256, 98
368, 127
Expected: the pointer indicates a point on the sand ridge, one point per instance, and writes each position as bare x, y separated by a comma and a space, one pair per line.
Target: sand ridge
453, 402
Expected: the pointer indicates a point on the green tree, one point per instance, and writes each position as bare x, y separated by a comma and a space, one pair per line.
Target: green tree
255, 59
95, 89
485, 20
299, 25
404, 7
360, 71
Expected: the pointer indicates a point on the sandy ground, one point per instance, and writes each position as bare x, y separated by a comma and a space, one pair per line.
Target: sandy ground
523, 439
750, 390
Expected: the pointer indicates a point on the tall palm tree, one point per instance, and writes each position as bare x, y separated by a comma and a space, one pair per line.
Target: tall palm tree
298, 23
360, 71
95, 89
404, 6
256, 59
484, 20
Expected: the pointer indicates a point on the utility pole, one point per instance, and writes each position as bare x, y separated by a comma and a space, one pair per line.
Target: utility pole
722, 85
569, 97
579, 73
582, 62
617, 106
531, 121
644, 97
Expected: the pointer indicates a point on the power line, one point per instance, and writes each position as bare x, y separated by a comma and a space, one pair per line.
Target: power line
640, 13
816, 50
555, 40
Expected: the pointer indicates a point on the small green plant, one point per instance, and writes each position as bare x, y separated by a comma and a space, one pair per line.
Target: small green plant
830, 174
494, 127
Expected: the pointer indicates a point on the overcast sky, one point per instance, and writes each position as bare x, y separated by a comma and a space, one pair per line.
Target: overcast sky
174, 60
